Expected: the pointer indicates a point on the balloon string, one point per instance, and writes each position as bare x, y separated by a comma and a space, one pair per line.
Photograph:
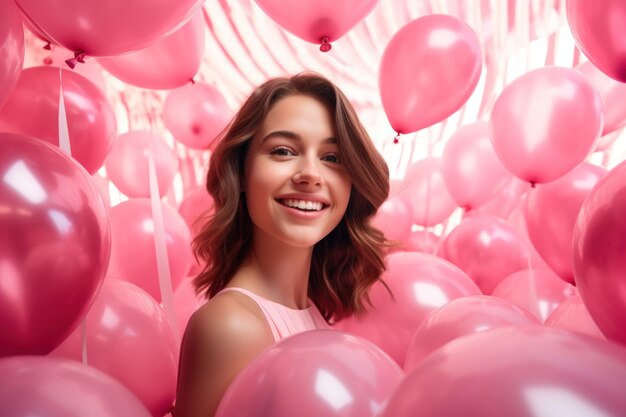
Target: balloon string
64, 135
333, 54
532, 284
83, 332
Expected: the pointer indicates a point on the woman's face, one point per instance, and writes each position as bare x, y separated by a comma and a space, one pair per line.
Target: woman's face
296, 188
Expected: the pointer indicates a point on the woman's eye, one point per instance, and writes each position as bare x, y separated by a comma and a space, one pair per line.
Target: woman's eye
280, 151
332, 157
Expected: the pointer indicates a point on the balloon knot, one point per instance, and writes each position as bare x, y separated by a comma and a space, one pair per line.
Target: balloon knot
533, 184
325, 46
71, 62
192, 81
47, 46
396, 139
47, 61
80, 56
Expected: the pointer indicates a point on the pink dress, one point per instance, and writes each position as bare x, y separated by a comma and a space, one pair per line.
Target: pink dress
285, 321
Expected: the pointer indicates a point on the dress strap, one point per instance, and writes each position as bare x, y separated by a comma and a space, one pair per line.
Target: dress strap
260, 301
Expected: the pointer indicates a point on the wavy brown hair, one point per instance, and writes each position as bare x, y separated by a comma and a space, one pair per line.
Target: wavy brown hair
350, 258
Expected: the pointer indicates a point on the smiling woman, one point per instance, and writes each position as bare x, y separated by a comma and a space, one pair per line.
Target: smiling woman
290, 247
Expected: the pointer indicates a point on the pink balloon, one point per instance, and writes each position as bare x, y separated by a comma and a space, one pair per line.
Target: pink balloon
487, 249
572, 315
428, 71
171, 62
196, 204
528, 371
128, 163
186, 302
111, 28
504, 202
420, 283
90, 118
597, 29
196, 114
50, 387
518, 222
394, 219
11, 48
315, 373
545, 123
138, 348
470, 167
462, 317
422, 241
133, 256
599, 261
551, 210
54, 245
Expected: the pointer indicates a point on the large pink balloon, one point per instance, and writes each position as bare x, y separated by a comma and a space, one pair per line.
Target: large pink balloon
90, 118
545, 123
315, 373
551, 210
428, 71
572, 315
11, 48
599, 247
169, 63
54, 245
597, 29
419, 283
461, 317
394, 218
111, 28
138, 348
51, 387
528, 371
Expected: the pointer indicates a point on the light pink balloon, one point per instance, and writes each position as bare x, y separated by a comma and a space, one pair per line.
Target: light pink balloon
504, 202
51, 387
470, 167
462, 317
111, 28
196, 205
597, 29
186, 302
572, 315
394, 219
133, 256
54, 245
428, 71
171, 62
128, 163
11, 48
599, 261
90, 118
422, 241
527, 371
315, 373
420, 283
196, 114
551, 211
518, 222
546, 122
138, 348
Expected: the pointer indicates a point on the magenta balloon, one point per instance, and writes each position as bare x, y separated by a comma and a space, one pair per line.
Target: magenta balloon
551, 210
111, 28
133, 256
90, 118
545, 123
315, 373
597, 29
394, 219
462, 317
428, 71
420, 283
54, 245
572, 315
599, 261
314, 20
128, 163
528, 371
196, 114
11, 48
470, 167
51, 387
171, 62
138, 348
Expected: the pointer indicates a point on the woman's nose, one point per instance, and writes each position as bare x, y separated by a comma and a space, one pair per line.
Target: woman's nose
309, 172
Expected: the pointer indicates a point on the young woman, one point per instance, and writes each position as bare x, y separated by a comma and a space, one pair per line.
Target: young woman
296, 181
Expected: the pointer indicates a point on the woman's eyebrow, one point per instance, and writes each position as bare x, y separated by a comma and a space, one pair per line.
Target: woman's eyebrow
293, 136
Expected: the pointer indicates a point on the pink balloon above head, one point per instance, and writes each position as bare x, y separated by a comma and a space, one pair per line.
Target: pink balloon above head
111, 28
315, 373
597, 29
470, 167
196, 114
428, 71
11, 48
133, 256
51, 387
90, 118
54, 245
545, 123
138, 348
462, 317
169, 63
419, 283
599, 247
527, 371
551, 211
572, 315
128, 163
394, 219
